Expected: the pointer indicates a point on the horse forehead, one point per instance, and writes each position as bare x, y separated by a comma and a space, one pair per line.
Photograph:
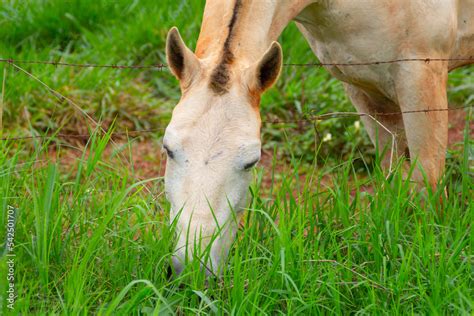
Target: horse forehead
215, 134
216, 124
202, 113
202, 103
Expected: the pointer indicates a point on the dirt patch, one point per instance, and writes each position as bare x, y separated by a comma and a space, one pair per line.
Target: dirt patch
457, 123
144, 159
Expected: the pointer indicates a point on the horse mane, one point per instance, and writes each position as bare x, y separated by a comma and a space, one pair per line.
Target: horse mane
220, 76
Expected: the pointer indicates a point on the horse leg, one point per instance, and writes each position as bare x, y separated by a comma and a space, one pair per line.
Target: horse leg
421, 86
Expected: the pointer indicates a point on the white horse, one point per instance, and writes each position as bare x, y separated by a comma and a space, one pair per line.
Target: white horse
213, 139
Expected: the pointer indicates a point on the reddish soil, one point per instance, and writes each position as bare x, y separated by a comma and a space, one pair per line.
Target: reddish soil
457, 123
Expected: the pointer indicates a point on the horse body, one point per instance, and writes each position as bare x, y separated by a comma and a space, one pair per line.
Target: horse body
371, 30
214, 135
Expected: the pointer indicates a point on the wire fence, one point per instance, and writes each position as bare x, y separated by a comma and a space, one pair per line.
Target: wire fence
307, 119
469, 59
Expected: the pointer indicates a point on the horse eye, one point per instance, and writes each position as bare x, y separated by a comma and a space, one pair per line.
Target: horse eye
250, 165
169, 152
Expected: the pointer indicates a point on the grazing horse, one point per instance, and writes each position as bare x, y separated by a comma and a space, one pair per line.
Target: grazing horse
213, 139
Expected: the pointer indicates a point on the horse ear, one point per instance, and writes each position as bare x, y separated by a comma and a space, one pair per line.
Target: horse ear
268, 68
181, 60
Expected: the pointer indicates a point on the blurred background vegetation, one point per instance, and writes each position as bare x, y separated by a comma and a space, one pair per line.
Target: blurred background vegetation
133, 32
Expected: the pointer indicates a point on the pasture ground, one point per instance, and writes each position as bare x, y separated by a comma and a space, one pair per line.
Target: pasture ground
326, 230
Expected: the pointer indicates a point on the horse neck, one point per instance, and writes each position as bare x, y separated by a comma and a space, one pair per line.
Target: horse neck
244, 29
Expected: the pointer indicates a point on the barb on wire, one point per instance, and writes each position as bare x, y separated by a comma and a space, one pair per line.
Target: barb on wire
308, 119
162, 66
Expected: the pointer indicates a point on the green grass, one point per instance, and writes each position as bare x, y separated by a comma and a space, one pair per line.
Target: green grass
94, 240
92, 232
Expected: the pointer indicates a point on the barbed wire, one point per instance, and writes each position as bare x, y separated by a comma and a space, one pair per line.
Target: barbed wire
76, 65
308, 119
327, 116
393, 61
162, 66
